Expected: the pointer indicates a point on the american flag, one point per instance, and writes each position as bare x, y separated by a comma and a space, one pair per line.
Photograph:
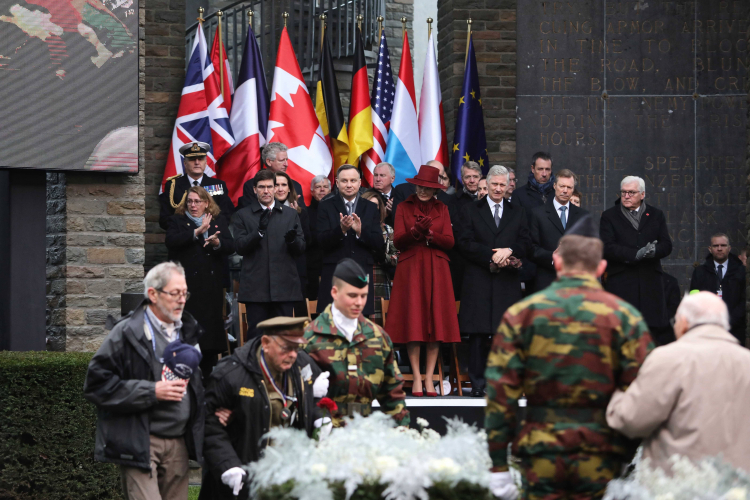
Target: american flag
383, 93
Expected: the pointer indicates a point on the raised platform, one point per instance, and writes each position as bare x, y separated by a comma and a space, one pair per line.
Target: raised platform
468, 409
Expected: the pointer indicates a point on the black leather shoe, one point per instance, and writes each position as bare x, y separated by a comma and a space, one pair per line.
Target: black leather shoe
477, 393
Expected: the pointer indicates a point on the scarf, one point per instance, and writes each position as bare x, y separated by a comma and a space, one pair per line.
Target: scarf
473, 195
634, 217
198, 221
543, 189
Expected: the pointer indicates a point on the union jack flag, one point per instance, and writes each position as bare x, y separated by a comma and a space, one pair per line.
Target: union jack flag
383, 93
202, 115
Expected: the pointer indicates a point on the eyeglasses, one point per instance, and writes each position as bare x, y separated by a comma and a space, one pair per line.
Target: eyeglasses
286, 349
194, 202
628, 194
175, 294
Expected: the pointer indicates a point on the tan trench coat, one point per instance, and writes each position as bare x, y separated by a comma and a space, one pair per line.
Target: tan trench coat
691, 398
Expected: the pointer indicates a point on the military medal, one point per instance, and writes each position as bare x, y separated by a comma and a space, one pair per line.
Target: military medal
286, 412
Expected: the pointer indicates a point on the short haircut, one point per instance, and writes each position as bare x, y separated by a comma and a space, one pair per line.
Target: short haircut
540, 155
373, 194
581, 252
264, 175
318, 179
471, 165
345, 167
272, 149
632, 178
704, 308
578, 194
212, 208
719, 235
511, 170
391, 168
567, 174
159, 275
497, 171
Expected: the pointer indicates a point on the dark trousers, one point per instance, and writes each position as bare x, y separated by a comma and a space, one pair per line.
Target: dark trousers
261, 311
479, 348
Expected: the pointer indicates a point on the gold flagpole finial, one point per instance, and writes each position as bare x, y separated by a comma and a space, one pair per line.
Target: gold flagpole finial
285, 15
380, 28
220, 13
200, 14
468, 39
360, 18
322, 18
250, 15
429, 27
403, 26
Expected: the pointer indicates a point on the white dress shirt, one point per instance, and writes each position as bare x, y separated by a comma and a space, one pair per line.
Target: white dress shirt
557, 209
199, 181
345, 325
723, 269
492, 207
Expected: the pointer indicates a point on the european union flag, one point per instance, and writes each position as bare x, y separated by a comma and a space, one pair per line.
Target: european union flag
469, 141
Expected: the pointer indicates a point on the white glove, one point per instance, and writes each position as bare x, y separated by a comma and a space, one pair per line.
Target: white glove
502, 486
320, 386
233, 478
325, 425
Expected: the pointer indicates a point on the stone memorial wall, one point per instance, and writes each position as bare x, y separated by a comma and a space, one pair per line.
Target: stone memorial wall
656, 89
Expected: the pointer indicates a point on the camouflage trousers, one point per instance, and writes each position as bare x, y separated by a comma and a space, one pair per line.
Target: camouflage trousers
568, 477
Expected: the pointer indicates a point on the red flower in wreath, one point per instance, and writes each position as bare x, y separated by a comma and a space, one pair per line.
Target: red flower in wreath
328, 404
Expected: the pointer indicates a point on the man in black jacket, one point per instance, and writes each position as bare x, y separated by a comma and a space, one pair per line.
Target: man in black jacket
347, 227
267, 383
274, 158
549, 223
175, 189
723, 273
147, 423
635, 240
268, 235
321, 187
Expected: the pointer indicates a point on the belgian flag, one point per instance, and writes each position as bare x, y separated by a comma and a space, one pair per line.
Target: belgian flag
360, 112
330, 114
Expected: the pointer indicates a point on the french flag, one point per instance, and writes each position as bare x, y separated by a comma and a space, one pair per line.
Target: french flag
202, 115
403, 149
431, 120
249, 121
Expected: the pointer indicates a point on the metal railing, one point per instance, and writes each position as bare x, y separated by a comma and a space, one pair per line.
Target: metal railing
303, 25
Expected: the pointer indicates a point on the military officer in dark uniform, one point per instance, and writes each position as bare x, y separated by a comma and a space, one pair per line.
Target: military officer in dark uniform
176, 187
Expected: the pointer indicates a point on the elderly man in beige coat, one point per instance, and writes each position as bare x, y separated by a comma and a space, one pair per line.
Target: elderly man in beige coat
690, 397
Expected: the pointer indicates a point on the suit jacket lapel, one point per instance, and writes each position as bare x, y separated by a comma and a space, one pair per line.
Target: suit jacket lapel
338, 201
505, 217
555, 219
645, 217
486, 213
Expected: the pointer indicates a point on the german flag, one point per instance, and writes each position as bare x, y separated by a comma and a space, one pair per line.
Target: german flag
360, 112
330, 114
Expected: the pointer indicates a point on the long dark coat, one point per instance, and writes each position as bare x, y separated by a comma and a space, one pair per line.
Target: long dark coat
269, 270
486, 296
638, 282
204, 271
546, 230
237, 384
175, 190
336, 245
732, 289
313, 252
423, 308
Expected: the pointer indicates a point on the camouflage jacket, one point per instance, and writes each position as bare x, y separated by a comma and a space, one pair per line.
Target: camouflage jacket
377, 375
567, 348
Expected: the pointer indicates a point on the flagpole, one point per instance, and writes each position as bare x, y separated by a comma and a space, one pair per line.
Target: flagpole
429, 27
360, 17
322, 18
250, 15
285, 15
380, 28
468, 39
220, 14
200, 16
403, 27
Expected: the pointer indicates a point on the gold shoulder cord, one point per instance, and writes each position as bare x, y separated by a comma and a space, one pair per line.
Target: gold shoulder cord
171, 195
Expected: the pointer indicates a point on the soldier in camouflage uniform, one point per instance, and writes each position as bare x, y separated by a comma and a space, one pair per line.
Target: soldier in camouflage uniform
566, 348
358, 353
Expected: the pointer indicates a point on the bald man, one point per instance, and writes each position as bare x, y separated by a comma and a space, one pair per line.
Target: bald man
689, 396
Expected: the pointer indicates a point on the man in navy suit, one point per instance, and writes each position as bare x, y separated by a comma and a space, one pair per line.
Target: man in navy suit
348, 226
549, 223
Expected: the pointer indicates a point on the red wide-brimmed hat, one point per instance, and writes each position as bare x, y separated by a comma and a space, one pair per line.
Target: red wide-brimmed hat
427, 177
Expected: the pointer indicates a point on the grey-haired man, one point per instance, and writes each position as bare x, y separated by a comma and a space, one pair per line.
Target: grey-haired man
276, 159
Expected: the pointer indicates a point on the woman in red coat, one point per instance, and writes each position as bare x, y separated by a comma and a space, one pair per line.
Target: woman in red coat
422, 307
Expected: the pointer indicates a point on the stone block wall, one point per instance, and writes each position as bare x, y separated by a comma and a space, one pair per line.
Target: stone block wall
494, 36
55, 244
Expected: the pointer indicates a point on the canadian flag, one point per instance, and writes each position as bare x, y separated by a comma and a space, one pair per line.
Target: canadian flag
293, 121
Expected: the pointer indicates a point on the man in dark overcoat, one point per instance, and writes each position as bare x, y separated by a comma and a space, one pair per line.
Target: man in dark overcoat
493, 236
175, 189
347, 227
549, 223
635, 240
268, 235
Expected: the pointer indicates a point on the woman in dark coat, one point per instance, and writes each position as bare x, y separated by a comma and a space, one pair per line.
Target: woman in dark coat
422, 307
198, 239
286, 194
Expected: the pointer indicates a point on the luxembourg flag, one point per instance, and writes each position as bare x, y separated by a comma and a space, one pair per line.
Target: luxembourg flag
432, 138
249, 119
202, 115
403, 149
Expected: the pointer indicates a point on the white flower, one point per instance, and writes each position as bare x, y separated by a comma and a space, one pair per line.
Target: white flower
385, 463
319, 469
665, 496
736, 494
422, 422
443, 466
430, 435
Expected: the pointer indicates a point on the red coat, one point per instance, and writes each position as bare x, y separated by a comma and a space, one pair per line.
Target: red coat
422, 307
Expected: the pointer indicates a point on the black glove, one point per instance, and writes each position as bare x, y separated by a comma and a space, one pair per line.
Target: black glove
291, 235
264, 219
